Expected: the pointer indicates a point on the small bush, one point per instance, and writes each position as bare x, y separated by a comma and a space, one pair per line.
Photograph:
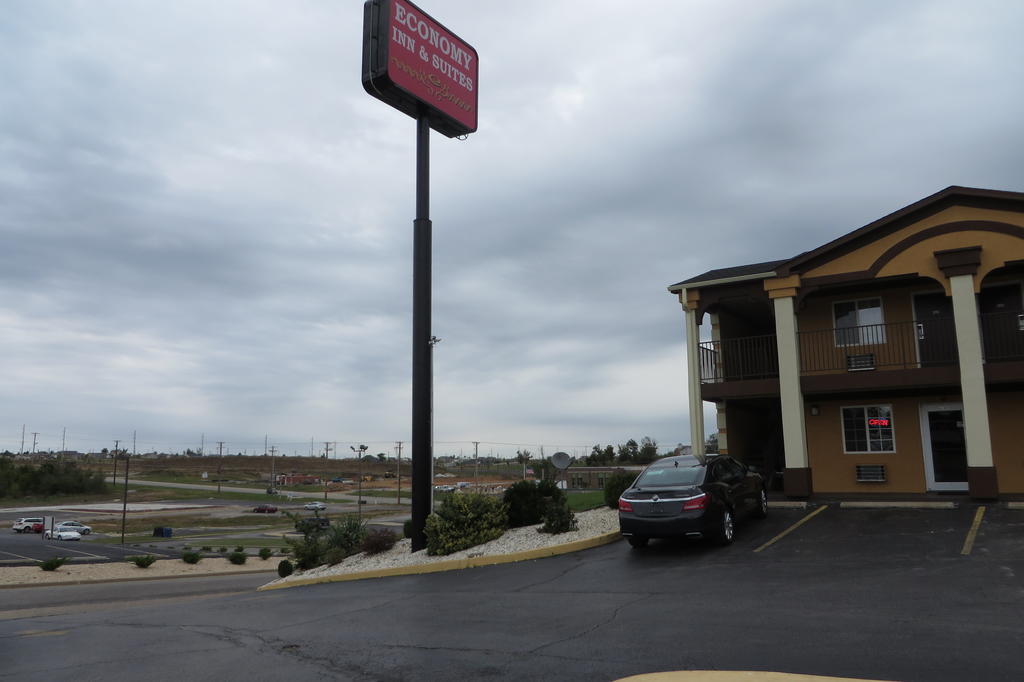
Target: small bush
465, 521
308, 551
191, 557
615, 486
53, 563
558, 518
207, 548
345, 536
379, 540
527, 500
285, 568
239, 549
222, 550
238, 557
144, 561
266, 553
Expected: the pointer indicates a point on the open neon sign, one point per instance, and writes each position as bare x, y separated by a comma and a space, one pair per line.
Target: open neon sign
878, 422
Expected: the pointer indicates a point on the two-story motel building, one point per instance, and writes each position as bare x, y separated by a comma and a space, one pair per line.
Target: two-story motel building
889, 360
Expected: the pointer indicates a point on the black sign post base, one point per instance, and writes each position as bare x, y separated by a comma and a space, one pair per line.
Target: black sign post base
422, 368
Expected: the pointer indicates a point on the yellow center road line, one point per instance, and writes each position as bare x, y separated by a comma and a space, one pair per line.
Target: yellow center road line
791, 528
973, 532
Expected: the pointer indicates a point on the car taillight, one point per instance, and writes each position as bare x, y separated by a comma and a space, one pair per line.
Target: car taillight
624, 505
695, 503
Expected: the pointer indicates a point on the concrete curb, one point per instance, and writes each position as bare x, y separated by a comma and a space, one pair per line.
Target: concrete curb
453, 564
140, 578
896, 504
1015, 505
787, 504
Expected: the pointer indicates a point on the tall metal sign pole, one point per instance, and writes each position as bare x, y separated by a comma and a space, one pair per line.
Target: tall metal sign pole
419, 67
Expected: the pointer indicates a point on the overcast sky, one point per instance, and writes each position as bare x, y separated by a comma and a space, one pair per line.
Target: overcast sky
207, 223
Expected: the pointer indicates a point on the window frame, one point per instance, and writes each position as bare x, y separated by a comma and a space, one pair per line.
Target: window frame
865, 407
837, 330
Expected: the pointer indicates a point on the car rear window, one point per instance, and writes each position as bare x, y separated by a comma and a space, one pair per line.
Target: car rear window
670, 477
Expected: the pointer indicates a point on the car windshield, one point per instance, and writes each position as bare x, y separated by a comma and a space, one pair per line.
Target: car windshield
674, 477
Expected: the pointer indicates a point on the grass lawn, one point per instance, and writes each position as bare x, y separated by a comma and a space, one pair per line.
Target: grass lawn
586, 500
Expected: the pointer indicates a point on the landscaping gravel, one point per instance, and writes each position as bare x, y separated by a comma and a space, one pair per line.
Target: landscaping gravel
591, 524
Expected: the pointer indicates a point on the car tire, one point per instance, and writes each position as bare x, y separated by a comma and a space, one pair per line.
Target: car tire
726, 529
762, 505
637, 541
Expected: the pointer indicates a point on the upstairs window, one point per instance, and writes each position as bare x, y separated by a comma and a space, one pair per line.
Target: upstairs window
868, 429
859, 323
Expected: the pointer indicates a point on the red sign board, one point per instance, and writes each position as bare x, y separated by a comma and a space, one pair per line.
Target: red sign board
415, 64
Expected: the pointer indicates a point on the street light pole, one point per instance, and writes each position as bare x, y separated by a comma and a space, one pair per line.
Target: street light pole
359, 453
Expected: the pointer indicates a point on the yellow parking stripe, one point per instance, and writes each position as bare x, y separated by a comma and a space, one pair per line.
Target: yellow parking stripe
973, 532
792, 528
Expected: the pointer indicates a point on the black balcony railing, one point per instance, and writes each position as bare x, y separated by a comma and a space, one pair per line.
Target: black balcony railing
747, 357
895, 345
1003, 336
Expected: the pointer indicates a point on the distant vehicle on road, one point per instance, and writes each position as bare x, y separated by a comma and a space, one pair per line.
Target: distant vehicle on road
59, 533
32, 524
315, 506
265, 509
75, 525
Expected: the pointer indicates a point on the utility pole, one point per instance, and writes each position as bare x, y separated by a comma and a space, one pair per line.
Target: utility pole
34, 434
273, 472
63, 442
116, 443
311, 446
476, 456
202, 443
21, 450
124, 501
399, 470
220, 462
327, 450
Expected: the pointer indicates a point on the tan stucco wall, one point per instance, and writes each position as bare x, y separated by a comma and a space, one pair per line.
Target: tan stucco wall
1005, 413
919, 258
834, 471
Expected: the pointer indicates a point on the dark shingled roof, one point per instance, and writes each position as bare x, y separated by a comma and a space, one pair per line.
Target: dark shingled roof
735, 271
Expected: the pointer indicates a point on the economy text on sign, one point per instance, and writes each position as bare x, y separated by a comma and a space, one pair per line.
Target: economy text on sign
410, 58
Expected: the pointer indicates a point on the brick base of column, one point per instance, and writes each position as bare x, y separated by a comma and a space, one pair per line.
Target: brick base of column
797, 482
982, 483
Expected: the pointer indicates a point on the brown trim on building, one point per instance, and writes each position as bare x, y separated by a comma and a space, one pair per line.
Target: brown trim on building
1010, 372
946, 376
951, 196
747, 388
711, 298
796, 482
962, 261
982, 483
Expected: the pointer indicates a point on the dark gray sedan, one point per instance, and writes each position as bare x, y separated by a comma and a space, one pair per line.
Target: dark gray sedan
691, 497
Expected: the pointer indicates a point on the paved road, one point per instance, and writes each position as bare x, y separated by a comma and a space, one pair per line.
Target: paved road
311, 495
871, 594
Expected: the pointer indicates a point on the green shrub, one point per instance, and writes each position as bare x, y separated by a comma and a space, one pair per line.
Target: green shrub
407, 528
238, 557
285, 568
53, 563
222, 550
527, 500
144, 561
615, 486
558, 518
346, 535
379, 540
239, 549
191, 557
465, 521
308, 551
266, 553
207, 548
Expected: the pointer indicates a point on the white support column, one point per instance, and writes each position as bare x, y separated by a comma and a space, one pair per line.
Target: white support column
793, 433
693, 375
972, 372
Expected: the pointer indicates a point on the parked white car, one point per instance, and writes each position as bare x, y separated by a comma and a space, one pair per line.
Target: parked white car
32, 524
75, 525
59, 533
315, 506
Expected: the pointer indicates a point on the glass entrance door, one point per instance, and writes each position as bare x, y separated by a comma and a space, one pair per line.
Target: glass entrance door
945, 450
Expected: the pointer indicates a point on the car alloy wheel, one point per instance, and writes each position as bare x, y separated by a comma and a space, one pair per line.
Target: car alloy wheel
762, 505
725, 534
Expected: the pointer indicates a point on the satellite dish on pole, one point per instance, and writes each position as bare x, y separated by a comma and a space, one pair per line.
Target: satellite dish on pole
561, 460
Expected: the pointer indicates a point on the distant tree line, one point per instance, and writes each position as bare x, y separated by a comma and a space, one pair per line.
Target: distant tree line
631, 452
48, 478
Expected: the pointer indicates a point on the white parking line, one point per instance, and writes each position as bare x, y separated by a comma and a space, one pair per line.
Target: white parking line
78, 551
19, 556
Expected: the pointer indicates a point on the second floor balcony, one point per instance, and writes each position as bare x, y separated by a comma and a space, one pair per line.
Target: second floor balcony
889, 346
